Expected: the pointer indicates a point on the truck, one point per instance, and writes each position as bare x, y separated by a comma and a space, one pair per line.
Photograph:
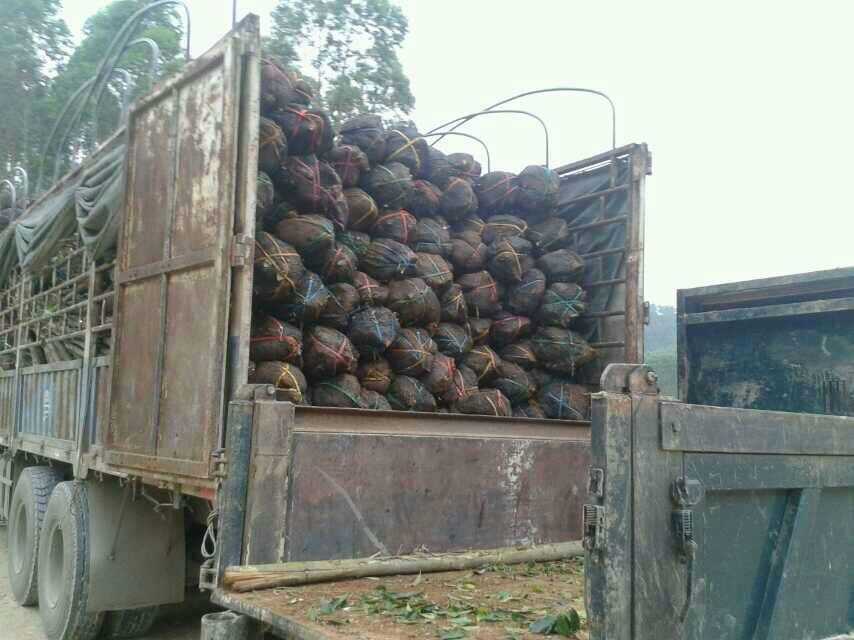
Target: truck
137, 460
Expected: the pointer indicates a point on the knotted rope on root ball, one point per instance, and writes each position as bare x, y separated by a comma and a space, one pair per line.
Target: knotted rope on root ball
424, 199
414, 302
412, 352
395, 225
349, 162
405, 145
390, 185
356, 241
342, 391
481, 293
367, 133
539, 188
434, 270
509, 258
525, 297
409, 394
432, 236
561, 350
484, 362
453, 305
375, 375
281, 87
278, 269
458, 200
363, 209
465, 165
375, 401
508, 328
272, 147
463, 385
312, 236
387, 260
514, 383
316, 188
563, 302
308, 131
453, 340
284, 376
561, 266
441, 375
328, 353
372, 330
487, 402
519, 353
529, 410
497, 192
480, 328
549, 235
343, 301
308, 303
473, 226
273, 339
468, 253
565, 401
339, 265
371, 292
503, 226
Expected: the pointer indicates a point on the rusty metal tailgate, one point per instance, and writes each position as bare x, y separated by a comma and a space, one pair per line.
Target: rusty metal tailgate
174, 263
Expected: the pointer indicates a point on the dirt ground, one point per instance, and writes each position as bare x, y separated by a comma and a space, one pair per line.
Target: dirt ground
23, 623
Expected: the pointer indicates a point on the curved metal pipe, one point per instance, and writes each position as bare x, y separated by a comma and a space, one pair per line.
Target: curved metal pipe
11, 187
562, 89
472, 116
154, 50
25, 181
465, 135
123, 100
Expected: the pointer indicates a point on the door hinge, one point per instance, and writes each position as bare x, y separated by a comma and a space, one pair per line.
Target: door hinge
686, 493
241, 250
219, 463
593, 526
646, 312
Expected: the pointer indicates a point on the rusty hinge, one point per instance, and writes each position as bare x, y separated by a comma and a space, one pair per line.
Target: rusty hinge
241, 250
219, 463
646, 312
593, 527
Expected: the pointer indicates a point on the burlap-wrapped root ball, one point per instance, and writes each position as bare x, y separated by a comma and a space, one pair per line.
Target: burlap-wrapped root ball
327, 353
373, 329
414, 302
480, 329
519, 353
309, 131
468, 253
387, 260
432, 236
281, 87
539, 188
273, 339
561, 350
265, 198
513, 381
405, 145
339, 265
487, 402
507, 328
315, 187
363, 209
458, 200
497, 192
503, 226
434, 270
440, 377
509, 258
389, 184
481, 293
411, 353
563, 302
278, 269
355, 241
549, 235
525, 297
349, 162
375, 374
453, 305
465, 165
342, 391
371, 292
463, 385
484, 362
367, 133
375, 401
272, 147
310, 300
342, 302
453, 340
313, 236
424, 199
529, 410
288, 379
395, 225
410, 394
561, 266
565, 401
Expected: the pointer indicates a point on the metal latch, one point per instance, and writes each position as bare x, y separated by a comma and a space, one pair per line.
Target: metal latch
686, 493
596, 482
593, 526
241, 250
646, 312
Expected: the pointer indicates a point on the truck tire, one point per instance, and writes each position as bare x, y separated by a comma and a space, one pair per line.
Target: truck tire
64, 566
26, 513
128, 623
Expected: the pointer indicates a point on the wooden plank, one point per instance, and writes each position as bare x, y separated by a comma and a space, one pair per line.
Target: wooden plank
770, 311
687, 427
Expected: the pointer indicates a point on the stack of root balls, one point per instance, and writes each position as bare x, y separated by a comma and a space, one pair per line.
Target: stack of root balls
389, 275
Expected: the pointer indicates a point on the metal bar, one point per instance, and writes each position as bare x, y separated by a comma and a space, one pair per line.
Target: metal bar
771, 311
598, 194
603, 283
607, 345
600, 223
194, 259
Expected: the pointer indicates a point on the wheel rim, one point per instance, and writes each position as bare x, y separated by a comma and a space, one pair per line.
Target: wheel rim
55, 570
19, 538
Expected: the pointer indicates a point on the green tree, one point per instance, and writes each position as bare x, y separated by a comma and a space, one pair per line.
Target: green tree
34, 44
348, 49
161, 25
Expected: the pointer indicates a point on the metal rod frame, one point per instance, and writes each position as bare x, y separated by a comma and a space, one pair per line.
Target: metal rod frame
465, 135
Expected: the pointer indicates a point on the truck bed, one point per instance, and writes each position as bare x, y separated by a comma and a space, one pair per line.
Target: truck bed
499, 602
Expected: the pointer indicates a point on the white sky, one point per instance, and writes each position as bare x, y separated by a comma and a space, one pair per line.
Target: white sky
747, 108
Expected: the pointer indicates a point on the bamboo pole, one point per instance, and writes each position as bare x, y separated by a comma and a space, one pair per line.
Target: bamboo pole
291, 574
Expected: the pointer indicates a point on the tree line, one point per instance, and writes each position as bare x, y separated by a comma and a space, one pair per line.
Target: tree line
348, 49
